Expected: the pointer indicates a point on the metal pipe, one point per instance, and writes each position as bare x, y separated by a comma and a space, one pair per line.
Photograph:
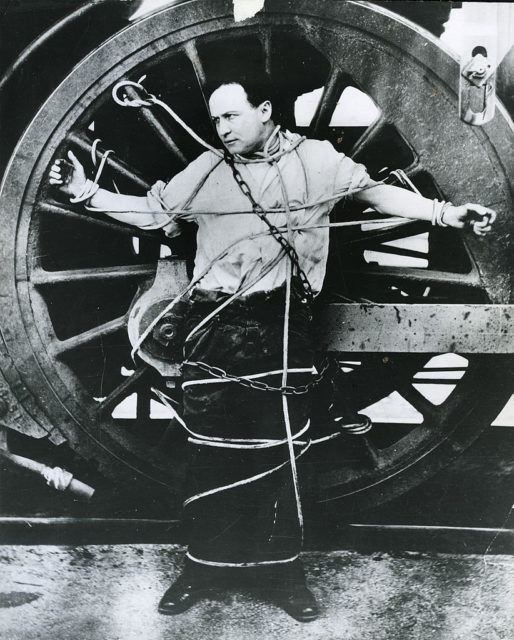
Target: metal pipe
55, 477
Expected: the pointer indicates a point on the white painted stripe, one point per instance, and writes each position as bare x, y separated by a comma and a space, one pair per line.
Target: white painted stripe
252, 376
242, 482
211, 563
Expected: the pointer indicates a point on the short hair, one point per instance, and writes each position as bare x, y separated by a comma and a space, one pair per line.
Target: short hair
257, 87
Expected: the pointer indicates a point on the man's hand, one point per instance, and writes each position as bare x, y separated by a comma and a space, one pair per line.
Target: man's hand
473, 215
396, 201
71, 179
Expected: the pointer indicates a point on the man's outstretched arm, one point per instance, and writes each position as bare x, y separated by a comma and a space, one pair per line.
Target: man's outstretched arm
72, 183
396, 201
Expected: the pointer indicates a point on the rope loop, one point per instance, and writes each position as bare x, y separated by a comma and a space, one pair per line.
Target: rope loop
132, 102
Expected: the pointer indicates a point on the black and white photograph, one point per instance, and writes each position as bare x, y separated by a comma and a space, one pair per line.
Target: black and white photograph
256, 320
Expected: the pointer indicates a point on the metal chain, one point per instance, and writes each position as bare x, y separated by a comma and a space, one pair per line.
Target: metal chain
218, 372
275, 232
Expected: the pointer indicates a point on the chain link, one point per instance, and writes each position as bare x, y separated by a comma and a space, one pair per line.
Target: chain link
288, 390
290, 251
275, 232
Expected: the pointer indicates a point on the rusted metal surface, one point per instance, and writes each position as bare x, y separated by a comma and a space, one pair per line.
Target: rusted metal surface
419, 328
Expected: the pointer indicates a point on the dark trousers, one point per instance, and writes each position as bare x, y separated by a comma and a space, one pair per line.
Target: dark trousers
255, 522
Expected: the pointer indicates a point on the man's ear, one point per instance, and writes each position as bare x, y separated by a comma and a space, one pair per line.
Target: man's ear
266, 110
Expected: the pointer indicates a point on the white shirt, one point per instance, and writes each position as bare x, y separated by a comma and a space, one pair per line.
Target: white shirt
312, 171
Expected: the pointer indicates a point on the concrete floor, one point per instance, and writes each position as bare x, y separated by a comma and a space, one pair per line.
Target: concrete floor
107, 592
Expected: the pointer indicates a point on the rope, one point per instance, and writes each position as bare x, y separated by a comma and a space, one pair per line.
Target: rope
239, 483
264, 272
250, 382
237, 442
186, 290
291, 254
230, 444
285, 359
153, 100
95, 144
391, 220
92, 186
212, 563
286, 244
252, 376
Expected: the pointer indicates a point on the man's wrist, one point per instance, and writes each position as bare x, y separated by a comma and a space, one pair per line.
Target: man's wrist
95, 200
86, 193
439, 209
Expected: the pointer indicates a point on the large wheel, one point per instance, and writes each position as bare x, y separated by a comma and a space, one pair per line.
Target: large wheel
68, 278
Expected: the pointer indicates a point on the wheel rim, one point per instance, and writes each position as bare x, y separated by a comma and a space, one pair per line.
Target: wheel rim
63, 372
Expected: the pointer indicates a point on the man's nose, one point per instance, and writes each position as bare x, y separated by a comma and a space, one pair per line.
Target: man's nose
223, 128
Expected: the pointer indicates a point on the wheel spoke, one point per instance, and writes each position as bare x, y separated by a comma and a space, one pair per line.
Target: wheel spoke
443, 369
158, 127
365, 387
192, 53
437, 380
41, 277
369, 137
61, 347
143, 405
372, 238
122, 390
335, 85
400, 251
417, 400
120, 167
55, 208
411, 274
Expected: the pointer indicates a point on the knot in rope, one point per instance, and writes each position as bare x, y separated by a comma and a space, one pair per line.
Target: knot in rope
57, 478
132, 102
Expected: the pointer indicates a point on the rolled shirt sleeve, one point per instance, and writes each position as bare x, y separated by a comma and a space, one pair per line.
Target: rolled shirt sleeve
178, 194
350, 176
165, 221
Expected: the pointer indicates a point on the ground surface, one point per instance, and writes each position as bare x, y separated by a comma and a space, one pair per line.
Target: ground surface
103, 592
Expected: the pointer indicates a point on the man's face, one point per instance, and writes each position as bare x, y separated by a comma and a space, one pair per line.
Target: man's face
241, 127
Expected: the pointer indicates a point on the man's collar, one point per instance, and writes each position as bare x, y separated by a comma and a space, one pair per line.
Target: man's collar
272, 146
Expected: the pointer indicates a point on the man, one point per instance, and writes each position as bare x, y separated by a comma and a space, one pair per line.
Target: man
248, 353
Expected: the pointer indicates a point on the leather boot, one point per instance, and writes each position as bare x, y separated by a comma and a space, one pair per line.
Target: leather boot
187, 589
298, 601
290, 592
